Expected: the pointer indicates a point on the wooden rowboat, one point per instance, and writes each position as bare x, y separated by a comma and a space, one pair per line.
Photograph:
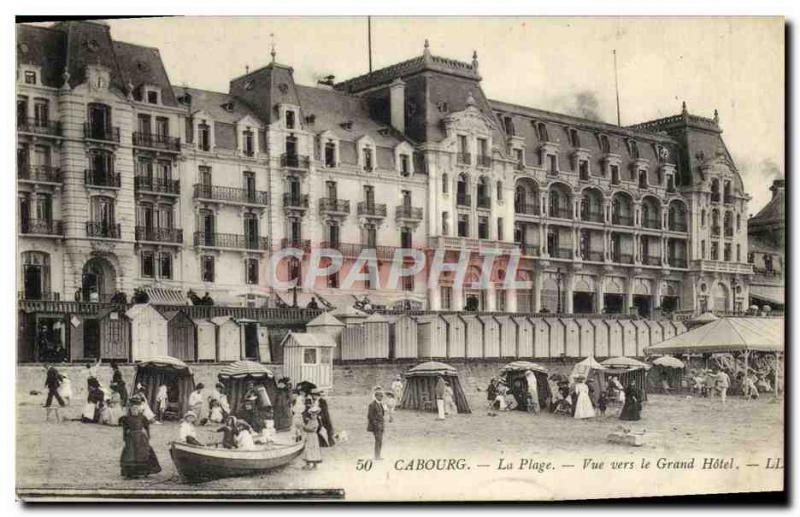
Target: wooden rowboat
198, 463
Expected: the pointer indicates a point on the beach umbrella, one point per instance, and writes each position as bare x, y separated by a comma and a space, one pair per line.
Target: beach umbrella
523, 366
163, 361
669, 362
623, 362
242, 369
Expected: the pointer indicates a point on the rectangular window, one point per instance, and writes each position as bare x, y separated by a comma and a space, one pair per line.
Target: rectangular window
462, 144
290, 119
162, 126
143, 124
519, 158
738, 253
30, 77
152, 97
404, 165
405, 238
148, 264
333, 280
367, 159
714, 251
500, 229
207, 267
330, 154
463, 226
165, 264
552, 163
251, 271
41, 112
249, 179
310, 356
247, 144
482, 147
204, 136
447, 298
500, 300
727, 252
703, 249
408, 283
330, 188
483, 227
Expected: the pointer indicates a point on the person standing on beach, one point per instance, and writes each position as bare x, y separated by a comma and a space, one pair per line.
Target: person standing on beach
722, 383
375, 423
439, 392
52, 383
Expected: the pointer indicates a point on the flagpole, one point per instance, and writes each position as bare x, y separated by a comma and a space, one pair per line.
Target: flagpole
369, 41
616, 87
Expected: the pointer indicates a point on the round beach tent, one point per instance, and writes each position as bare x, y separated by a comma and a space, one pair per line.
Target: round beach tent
421, 384
236, 375
589, 369
173, 373
666, 368
514, 375
627, 369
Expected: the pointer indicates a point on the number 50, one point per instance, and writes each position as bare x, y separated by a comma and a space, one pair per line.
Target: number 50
365, 465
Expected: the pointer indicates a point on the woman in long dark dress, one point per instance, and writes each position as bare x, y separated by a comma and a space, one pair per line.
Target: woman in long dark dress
121, 388
633, 404
283, 405
138, 458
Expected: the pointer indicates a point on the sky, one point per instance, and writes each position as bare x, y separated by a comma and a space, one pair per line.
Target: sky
734, 65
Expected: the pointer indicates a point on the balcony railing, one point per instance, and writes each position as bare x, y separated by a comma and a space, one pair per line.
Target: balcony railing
103, 230
624, 220
43, 295
728, 232
295, 161
156, 141
102, 178
715, 230
463, 158
681, 226
562, 253
148, 184
592, 217
331, 205
153, 234
651, 261
463, 200
45, 173
104, 133
676, 262
623, 258
410, 213
372, 209
354, 250
231, 194
303, 244
529, 250
39, 126
231, 240
295, 201
715, 197
592, 256
519, 166
728, 199
527, 208
483, 160
652, 223
561, 213
40, 227
484, 202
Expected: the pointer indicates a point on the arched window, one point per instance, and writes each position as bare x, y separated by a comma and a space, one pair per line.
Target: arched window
483, 192
555, 203
715, 190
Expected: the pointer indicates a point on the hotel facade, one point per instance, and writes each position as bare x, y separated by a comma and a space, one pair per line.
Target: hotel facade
126, 181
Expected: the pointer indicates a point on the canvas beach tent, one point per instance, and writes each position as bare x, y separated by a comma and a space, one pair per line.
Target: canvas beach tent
171, 372
421, 384
514, 375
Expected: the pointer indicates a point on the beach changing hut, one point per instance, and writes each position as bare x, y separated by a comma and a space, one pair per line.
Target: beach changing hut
572, 337
376, 337
491, 336
206, 339
405, 337
229, 338
474, 335
432, 337
153, 372
456, 336
542, 340
180, 336
508, 336
148, 332
526, 335
419, 392
309, 357
586, 337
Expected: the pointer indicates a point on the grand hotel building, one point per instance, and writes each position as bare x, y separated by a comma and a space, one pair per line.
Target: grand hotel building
127, 181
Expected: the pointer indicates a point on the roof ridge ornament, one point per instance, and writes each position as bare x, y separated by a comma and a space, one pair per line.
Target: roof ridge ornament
272, 46
426, 52
470, 99
716, 116
475, 60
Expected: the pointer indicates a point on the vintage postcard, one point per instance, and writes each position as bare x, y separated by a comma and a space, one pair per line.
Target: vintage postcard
399, 259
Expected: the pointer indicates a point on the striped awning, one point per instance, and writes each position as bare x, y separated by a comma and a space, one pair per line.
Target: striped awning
523, 366
773, 294
160, 296
163, 361
624, 363
241, 369
431, 368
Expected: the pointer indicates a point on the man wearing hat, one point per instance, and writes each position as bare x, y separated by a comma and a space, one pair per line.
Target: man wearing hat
375, 423
326, 426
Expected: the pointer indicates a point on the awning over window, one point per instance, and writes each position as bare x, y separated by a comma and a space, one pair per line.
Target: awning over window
160, 296
769, 294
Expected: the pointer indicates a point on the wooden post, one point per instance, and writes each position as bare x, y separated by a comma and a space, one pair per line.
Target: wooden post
777, 372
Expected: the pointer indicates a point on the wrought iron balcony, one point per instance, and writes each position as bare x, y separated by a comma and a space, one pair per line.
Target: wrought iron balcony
652, 223
464, 200
621, 219
334, 206
592, 256
103, 230
41, 227
483, 160
164, 186
527, 208
303, 244
651, 260
103, 133
101, 178
42, 295
561, 213
157, 141
295, 201
484, 202
728, 232
153, 234
295, 161
39, 126
354, 250
681, 226
529, 250
463, 158
231, 240
562, 253
231, 194
622, 258
43, 173
409, 213
592, 216
372, 209
676, 262
715, 197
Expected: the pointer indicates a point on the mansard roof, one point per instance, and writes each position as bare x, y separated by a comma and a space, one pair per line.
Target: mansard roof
141, 65
221, 107
43, 47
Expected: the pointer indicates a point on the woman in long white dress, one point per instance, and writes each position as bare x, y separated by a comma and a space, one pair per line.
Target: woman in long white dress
583, 406
533, 391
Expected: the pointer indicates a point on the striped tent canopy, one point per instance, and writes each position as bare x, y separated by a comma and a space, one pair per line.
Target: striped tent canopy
163, 361
627, 363
726, 335
668, 361
431, 368
523, 366
242, 369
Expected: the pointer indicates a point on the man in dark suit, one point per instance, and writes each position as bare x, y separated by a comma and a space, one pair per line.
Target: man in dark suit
375, 421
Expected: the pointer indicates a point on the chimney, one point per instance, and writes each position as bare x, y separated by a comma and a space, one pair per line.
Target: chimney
778, 186
397, 104
327, 82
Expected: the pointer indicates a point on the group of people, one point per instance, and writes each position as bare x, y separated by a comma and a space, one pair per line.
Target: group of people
503, 397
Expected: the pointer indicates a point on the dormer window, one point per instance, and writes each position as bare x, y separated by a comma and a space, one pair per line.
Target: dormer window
152, 97
290, 119
405, 165
508, 124
541, 132
248, 145
574, 139
30, 77
204, 136
228, 106
605, 145
633, 149
367, 157
330, 154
